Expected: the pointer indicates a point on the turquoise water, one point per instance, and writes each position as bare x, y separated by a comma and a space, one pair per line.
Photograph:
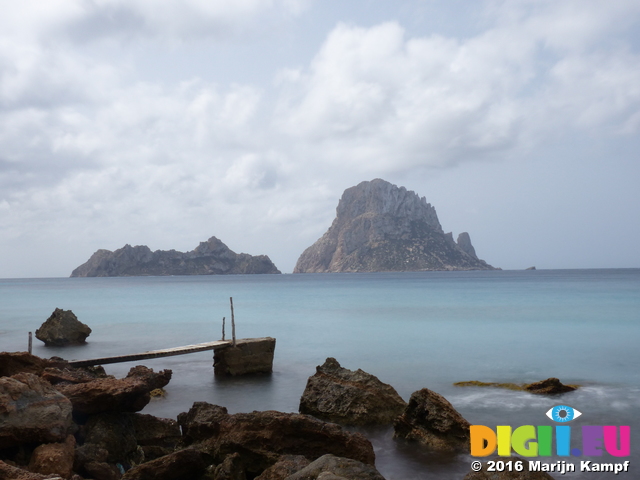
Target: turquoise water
412, 330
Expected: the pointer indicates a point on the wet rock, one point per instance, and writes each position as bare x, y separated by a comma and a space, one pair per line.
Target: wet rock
285, 466
330, 467
550, 386
62, 328
54, 458
32, 411
130, 394
339, 395
187, 464
262, 437
431, 420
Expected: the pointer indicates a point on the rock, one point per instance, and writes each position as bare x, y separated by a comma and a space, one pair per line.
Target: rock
187, 464
330, 467
72, 375
154, 431
262, 437
431, 420
550, 386
130, 394
23, 362
32, 411
209, 258
62, 328
114, 433
380, 227
339, 395
247, 357
530, 268
9, 472
285, 466
230, 469
525, 474
54, 458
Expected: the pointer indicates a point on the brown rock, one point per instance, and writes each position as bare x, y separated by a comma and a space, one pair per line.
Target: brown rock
9, 472
114, 433
21, 362
32, 411
431, 420
262, 437
285, 466
550, 386
343, 396
130, 394
230, 469
73, 375
330, 467
54, 458
187, 464
62, 328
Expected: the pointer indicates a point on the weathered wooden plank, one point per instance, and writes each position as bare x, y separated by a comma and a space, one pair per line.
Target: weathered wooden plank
166, 352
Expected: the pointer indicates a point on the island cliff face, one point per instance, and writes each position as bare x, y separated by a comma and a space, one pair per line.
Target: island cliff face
209, 258
380, 227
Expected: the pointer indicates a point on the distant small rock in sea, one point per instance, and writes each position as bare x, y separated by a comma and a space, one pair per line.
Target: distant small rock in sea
380, 227
63, 328
530, 268
209, 258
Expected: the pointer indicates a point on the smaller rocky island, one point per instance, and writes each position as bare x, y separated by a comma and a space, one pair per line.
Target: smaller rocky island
209, 258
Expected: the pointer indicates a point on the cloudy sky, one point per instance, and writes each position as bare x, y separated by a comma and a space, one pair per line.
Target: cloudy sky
165, 122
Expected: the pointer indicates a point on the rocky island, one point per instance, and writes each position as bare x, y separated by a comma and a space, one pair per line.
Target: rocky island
209, 258
381, 227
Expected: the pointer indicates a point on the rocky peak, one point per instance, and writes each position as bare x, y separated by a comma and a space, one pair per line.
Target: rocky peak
382, 227
379, 197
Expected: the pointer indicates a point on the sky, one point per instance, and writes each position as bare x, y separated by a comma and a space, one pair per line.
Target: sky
165, 122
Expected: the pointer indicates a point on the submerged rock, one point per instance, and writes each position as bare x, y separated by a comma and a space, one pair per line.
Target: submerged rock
550, 386
431, 420
339, 395
32, 411
63, 328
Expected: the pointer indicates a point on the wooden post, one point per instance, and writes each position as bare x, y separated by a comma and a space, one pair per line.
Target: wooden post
30, 343
233, 324
223, 328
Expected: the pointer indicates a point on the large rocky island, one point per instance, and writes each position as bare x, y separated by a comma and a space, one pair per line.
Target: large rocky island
381, 227
209, 258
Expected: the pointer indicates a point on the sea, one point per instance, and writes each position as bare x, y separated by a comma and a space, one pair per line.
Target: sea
412, 330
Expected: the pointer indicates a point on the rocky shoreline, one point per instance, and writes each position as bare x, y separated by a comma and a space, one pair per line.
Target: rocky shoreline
61, 422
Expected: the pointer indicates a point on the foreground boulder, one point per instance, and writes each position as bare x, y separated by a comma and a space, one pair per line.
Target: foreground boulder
130, 394
32, 411
285, 466
330, 467
262, 437
431, 420
339, 395
9, 472
63, 328
550, 386
54, 458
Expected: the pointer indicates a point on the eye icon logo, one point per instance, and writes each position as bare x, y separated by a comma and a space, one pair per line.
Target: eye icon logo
563, 413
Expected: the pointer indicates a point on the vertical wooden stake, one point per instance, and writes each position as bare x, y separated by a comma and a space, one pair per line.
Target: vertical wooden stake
223, 328
30, 343
233, 324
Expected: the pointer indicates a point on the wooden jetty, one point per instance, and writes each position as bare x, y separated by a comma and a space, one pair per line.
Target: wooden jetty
167, 352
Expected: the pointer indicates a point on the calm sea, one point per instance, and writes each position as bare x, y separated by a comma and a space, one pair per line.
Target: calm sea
412, 330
